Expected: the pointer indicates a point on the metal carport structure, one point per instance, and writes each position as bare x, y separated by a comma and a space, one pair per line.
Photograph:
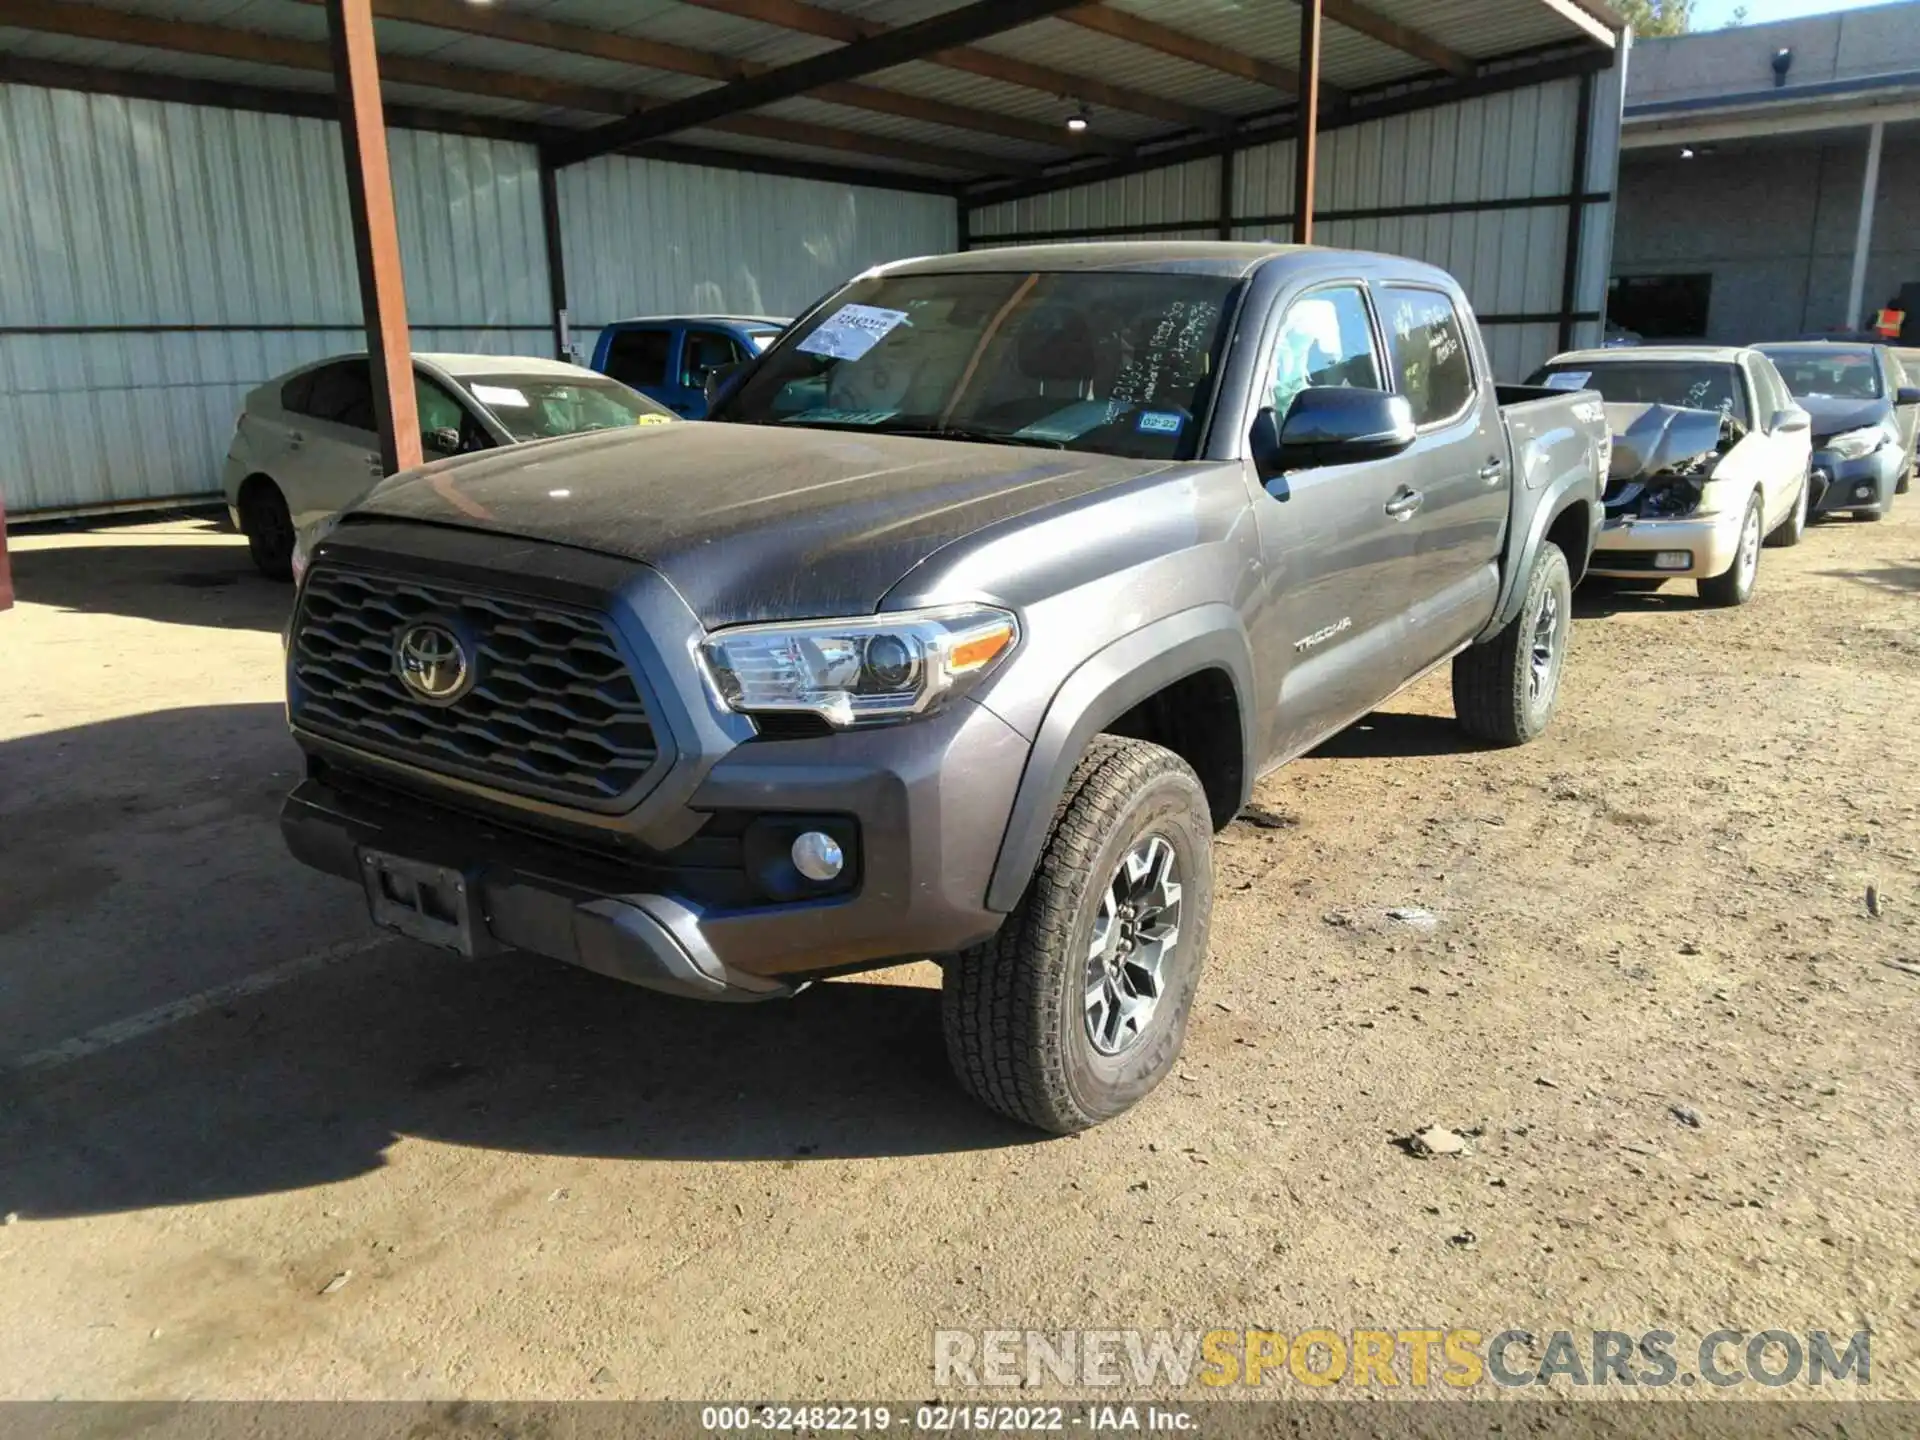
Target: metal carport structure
184, 219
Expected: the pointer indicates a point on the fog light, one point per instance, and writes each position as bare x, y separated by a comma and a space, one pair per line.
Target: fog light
1863, 492
817, 856
1672, 559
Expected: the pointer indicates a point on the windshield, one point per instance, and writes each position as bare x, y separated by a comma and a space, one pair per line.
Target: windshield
1691, 384
1826, 371
538, 407
1117, 363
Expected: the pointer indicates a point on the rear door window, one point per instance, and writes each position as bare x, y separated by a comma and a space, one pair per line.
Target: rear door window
296, 396
1430, 358
343, 394
638, 357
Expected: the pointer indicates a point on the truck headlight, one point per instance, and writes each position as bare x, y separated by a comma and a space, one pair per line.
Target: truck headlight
861, 671
1857, 444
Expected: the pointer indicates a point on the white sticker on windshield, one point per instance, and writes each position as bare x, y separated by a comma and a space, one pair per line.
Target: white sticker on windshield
499, 395
851, 331
1569, 379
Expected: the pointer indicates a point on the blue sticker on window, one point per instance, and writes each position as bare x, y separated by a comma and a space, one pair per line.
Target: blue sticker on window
1159, 422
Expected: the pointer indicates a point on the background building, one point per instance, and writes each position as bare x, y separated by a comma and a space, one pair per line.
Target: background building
1770, 178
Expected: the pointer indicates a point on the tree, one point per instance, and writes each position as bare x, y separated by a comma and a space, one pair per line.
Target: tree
1658, 17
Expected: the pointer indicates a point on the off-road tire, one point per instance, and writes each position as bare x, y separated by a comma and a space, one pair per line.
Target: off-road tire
1735, 586
268, 527
1493, 697
1014, 1008
1788, 532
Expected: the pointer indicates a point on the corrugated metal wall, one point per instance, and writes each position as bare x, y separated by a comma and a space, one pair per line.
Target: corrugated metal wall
647, 237
159, 260
1447, 185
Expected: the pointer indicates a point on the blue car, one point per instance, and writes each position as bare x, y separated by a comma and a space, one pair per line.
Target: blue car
1863, 408
669, 357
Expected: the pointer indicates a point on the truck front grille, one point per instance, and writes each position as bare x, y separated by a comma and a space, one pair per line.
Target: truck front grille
550, 710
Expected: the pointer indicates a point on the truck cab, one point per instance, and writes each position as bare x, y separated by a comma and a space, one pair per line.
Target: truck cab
669, 358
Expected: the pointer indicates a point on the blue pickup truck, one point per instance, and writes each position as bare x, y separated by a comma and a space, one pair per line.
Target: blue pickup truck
668, 357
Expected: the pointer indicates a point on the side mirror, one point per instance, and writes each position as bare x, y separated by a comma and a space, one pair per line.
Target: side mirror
1331, 425
446, 440
1907, 395
1791, 421
718, 377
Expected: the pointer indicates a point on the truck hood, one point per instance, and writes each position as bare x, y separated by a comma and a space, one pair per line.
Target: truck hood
1833, 415
750, 522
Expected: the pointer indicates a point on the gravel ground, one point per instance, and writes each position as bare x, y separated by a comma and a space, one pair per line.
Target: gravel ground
1667, 995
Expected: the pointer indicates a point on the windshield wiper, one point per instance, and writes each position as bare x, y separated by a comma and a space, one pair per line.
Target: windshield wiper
922, 432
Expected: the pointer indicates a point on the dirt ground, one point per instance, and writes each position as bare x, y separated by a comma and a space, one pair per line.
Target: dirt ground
1657, 988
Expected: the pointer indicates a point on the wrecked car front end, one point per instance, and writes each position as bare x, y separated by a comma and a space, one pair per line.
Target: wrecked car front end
1667, 512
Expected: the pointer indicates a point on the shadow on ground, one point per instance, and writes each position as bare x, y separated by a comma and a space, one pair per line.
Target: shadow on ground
1386, 735
1894, 579
150, 579
312, 1080
1600, 597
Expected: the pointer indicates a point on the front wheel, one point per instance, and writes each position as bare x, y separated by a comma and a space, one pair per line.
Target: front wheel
1789, 531
1504, 688
1735, 585
1077, 1008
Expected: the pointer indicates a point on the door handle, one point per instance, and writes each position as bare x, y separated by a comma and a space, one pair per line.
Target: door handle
1404, 503
295, 439
1491, 471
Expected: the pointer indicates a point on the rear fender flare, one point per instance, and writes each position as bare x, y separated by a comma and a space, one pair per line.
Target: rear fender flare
1553, 500
1105, 686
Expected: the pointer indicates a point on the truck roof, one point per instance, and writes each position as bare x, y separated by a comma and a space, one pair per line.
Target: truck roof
773, 321
1231, 258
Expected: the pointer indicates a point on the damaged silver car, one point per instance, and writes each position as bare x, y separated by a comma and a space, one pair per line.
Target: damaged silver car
1710, 461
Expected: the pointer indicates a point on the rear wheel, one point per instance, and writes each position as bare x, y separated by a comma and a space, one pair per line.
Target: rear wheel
1735, 586
1077, 1008
269, 528
1505, 688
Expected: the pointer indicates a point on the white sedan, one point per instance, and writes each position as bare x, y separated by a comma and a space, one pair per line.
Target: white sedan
1710, 462
305, 446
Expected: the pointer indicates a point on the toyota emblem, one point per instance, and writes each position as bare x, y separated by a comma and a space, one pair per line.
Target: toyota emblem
432, 663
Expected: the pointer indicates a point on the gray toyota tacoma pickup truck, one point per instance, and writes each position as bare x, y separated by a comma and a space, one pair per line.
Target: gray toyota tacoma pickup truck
995, 586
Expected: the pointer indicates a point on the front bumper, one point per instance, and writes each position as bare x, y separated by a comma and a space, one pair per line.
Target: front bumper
1854, 484
676, 892
1628, 547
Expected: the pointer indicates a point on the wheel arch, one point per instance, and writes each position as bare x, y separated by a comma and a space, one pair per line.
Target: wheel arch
1566, 514
1185, 681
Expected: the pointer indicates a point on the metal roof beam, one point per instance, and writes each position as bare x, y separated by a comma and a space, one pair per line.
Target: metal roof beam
1404, 38
807, 19
68, 17
1583, 18
1152, 35
961, 26
521, 29
1394, 99
320, 105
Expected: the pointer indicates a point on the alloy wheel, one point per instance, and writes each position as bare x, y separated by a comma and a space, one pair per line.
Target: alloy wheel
1135, 933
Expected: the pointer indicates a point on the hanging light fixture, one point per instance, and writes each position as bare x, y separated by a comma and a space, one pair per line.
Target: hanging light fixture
1080, 121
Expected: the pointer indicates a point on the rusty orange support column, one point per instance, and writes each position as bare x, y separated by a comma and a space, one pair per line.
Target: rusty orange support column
376, 236
1307, 143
